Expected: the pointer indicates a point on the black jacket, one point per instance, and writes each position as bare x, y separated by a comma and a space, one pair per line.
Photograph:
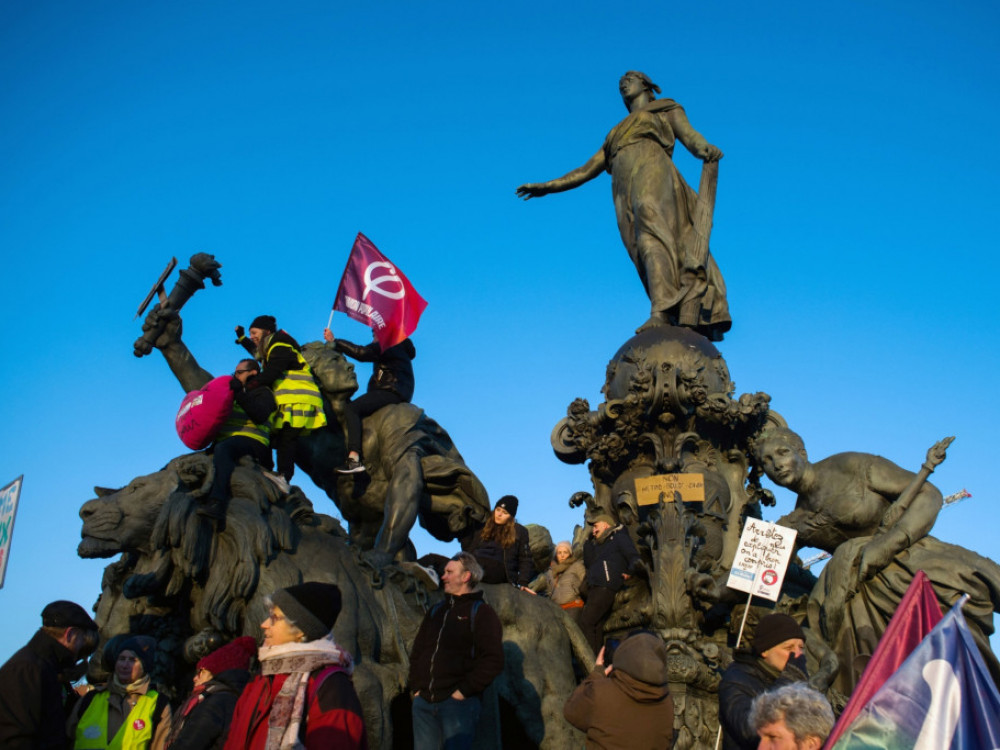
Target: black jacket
392, 369
258, 403
207, 724
511, 565
746, 678
610, 558
456, 650
33, 695
278, 360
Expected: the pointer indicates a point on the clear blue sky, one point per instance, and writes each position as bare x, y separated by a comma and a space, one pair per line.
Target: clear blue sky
855, 224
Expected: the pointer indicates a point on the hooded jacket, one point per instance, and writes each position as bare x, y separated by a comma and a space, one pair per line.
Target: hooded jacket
630, 708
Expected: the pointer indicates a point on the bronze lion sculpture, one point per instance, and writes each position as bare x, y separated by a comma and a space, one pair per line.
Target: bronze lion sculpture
194, 586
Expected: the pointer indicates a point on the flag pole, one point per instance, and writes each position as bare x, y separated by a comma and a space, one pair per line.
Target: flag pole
330, 321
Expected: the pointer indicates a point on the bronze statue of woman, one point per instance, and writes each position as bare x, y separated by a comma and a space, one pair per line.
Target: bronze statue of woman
656, 208
874, 518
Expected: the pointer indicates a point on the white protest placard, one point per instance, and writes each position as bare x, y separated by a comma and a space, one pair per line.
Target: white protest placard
9, 496
762, 558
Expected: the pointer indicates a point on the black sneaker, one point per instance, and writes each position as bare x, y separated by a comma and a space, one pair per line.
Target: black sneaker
351, 466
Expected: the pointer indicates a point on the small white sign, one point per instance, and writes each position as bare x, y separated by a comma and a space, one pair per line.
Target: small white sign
762, 558
9, 497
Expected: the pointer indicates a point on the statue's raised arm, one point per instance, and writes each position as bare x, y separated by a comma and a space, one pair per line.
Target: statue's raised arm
656, 208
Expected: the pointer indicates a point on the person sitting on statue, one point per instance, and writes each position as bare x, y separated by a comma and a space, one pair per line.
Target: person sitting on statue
610, 557
776, 658
286, 373
128, 711
247, 432
392, 382
564, 578
502, 548
304, 696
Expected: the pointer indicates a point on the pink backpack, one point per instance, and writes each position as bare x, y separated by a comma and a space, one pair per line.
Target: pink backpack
203, 412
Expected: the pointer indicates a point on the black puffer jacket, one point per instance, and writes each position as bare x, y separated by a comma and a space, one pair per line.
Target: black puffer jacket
511, 565
392, 369
207, 723
610, 558
746, 678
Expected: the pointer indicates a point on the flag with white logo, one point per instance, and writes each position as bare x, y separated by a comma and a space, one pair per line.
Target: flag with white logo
374, 292
941, 698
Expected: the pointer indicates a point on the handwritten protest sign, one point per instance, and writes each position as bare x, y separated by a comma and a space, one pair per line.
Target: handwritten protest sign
9, 496
761, 559
688, 488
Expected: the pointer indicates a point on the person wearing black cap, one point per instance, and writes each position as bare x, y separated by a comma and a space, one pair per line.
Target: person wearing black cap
286, 373
34, 689
304, 693
128, 711
610, 557
776, 658
392, 382
502, 547
626, 705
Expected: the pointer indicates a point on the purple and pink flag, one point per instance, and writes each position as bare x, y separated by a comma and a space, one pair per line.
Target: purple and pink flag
915, 617
941, 698
375, 292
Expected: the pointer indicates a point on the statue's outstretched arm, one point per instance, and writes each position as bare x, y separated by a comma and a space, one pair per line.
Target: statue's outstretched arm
693, 140
568, 181
912, 515
179, 358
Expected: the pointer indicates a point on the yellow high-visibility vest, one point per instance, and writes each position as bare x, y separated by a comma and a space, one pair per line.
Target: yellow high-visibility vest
135, 733
300, 403
239, 423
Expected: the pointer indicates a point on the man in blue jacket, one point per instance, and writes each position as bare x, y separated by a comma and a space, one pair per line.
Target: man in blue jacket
610, 557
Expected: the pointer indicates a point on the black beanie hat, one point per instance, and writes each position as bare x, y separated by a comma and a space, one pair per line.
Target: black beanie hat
143, 646
508, 503
265, 323
312, 606
773, 629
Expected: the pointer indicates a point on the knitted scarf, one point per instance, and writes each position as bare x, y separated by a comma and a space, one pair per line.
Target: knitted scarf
297, 660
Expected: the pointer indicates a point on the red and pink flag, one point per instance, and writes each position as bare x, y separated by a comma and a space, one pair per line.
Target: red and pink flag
914, 618
375, 292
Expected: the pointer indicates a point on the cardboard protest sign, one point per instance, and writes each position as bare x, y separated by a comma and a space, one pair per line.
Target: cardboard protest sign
687, 488
9, 497
762, 558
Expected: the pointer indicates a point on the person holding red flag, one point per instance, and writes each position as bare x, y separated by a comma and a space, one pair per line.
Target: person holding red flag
391, 382
375, 292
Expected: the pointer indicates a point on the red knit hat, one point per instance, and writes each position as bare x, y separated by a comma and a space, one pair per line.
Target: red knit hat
235, 655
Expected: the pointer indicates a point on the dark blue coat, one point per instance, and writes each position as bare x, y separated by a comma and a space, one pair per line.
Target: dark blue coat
609, 559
